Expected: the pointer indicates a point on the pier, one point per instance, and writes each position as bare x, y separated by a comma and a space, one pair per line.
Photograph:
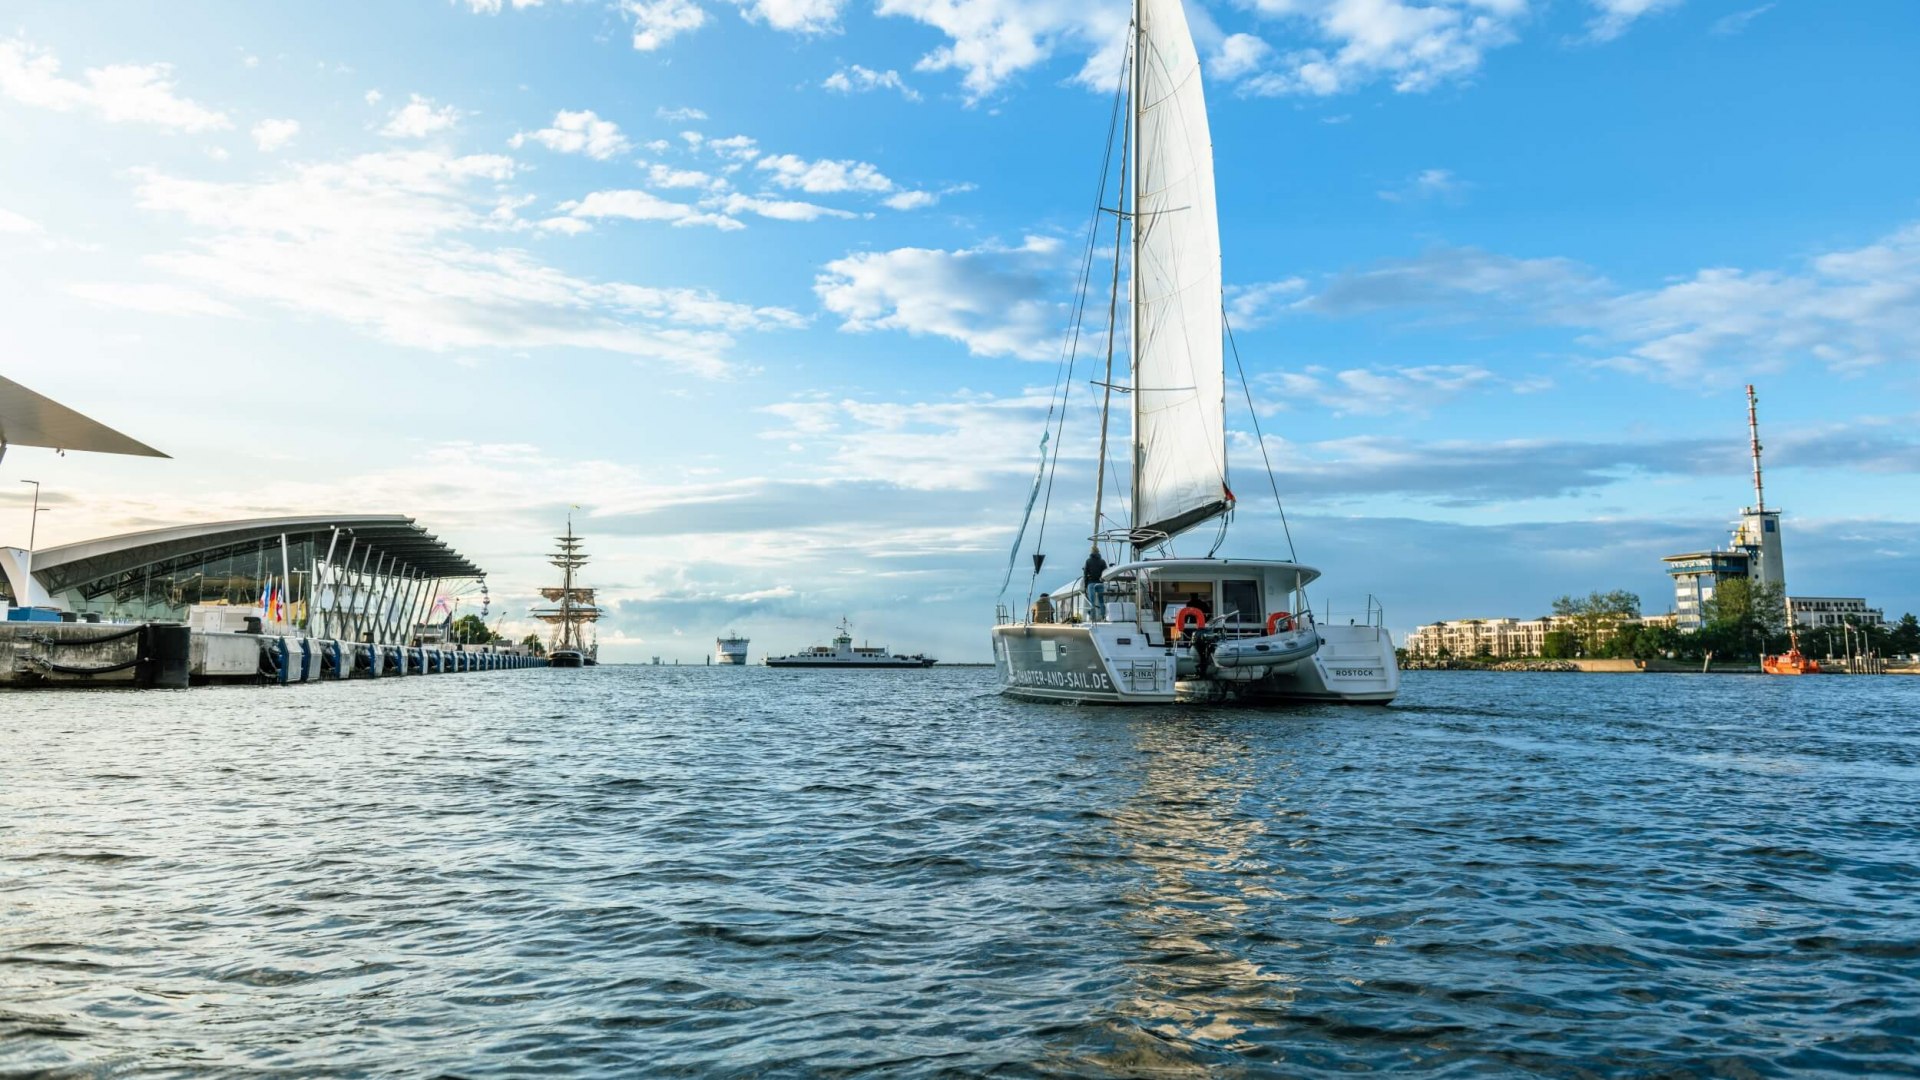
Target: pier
265, 601
165, 656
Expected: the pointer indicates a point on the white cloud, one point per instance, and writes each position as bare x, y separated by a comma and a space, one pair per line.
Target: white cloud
911, 200
990, 299
794, 16
1427, 184
990, 41
271, 135
1847, 310
492, 7
119, 93
858, 80
656, 22
419, 118
1379, 391
823, 176
1615, 16
780, 209
1416, 44
963, 444
1737, 22
665, 176
1250, 307
372, 97
580, 132
636, 205
679, 116
735, 148
1238, 55
398, 243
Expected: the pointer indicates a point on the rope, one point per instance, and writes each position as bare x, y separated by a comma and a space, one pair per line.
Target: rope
1292, 555
1071, 349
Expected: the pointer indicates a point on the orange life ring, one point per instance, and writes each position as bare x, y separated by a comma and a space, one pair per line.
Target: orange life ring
1278, 617
1188, 614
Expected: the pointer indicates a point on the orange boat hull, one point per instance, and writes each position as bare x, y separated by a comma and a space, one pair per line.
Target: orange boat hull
1791, 663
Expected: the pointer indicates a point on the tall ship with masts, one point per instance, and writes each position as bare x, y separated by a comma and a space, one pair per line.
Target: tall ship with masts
1148, 626
570, 609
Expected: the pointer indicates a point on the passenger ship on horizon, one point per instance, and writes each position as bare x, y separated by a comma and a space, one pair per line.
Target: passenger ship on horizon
730, 651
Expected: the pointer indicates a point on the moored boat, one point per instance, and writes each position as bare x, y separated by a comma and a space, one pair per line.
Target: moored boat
571, 608
1791, 662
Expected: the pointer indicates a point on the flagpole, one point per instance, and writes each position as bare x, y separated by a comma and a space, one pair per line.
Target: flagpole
286, 570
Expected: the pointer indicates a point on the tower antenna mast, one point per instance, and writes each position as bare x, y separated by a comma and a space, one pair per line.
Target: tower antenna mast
1753, 431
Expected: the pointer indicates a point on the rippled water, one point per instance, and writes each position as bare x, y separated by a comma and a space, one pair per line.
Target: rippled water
706, 871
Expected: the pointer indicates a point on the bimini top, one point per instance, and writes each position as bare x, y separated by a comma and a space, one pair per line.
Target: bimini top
30, 419
1211, 568
394, 536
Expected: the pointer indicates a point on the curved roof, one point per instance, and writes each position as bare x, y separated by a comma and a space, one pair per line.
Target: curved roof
395, 536
30, 419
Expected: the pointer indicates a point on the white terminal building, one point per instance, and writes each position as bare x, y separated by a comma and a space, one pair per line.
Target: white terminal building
1755, 554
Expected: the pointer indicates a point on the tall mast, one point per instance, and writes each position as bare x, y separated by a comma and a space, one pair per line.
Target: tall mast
566, 590
1753, 432
1113, 298
1132, 187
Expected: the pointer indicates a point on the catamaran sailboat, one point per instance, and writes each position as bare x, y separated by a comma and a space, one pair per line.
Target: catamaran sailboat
1166, 628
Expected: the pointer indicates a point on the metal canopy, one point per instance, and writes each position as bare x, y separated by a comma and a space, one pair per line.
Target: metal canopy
392, 536
30, 419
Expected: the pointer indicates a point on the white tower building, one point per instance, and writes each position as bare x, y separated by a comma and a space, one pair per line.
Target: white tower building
1758, 533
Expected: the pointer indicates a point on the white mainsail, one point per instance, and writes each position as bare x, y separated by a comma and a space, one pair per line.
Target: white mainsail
1179, 426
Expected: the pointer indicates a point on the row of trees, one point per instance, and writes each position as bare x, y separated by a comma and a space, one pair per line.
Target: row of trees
1743, 619
471, 630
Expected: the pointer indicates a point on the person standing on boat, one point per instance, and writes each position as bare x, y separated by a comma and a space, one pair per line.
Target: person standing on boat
1096, 587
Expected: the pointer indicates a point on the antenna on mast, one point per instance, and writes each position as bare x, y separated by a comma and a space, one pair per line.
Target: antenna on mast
1753, 431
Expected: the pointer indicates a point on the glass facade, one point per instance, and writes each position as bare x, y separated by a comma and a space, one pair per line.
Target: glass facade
362, 595
163, 591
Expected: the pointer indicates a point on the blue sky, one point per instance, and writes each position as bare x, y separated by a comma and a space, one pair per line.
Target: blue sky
773, 288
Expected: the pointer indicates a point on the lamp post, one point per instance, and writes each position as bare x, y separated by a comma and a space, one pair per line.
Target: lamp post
33, 531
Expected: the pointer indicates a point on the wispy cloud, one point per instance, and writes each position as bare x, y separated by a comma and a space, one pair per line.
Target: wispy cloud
118, 93
859, 80
989, 298
1736, 23
406, 245
1616, 16
1427, 184
1848, 310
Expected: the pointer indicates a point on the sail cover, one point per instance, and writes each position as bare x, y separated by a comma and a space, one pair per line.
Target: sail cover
1179, 432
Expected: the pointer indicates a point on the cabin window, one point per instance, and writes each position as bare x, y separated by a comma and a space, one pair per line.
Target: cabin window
1175, 595
1241, 599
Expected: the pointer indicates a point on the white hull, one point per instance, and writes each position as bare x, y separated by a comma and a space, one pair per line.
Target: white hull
1115, 664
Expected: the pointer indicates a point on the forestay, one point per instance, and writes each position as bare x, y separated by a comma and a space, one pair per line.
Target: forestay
1179, 427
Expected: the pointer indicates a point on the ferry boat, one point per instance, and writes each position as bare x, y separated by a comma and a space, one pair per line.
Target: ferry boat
571, 608
843, 653
1155, 627
730, 650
